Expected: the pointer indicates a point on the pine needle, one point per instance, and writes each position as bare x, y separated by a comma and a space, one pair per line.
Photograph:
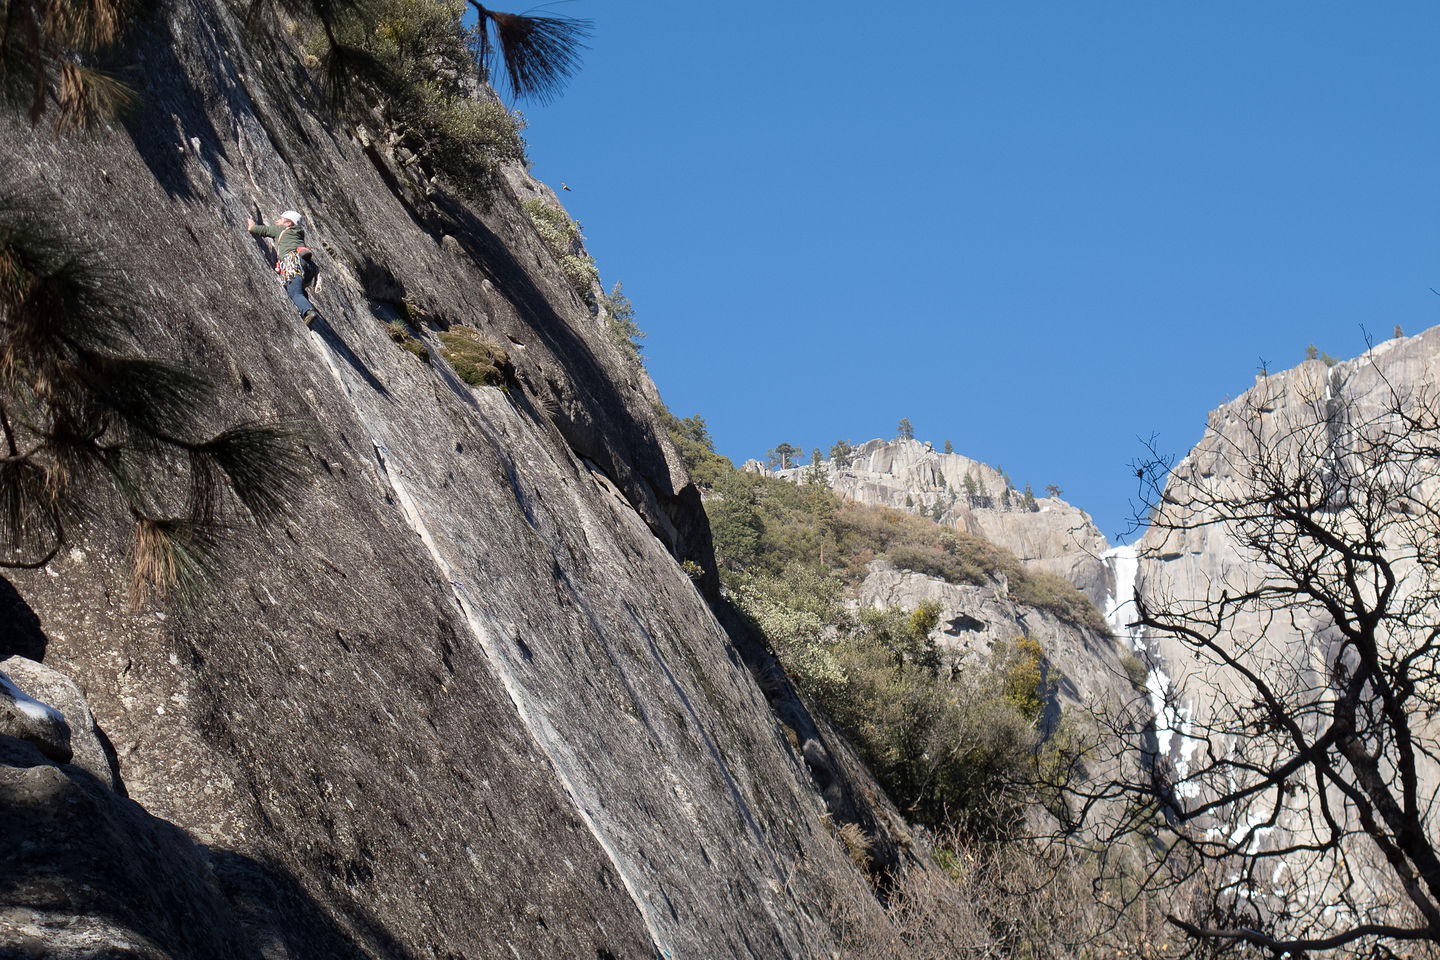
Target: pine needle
265, 464
153, 397
28, 502
171, 557
87, 96
539, 53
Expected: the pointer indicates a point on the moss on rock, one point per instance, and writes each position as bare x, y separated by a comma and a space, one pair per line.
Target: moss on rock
478, 360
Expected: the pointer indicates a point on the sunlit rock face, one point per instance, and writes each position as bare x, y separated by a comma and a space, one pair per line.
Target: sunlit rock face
463, 702
913, 476
1197, 700
1202, 560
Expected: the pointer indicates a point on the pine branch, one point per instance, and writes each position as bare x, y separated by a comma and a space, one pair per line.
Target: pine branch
265, 465
539, 53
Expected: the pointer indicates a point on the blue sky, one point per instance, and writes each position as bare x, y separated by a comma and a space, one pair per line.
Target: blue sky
1042, 231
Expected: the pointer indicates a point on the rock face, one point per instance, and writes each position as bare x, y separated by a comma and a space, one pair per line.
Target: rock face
43, 694
1187, 564
913, 476
974, 619
464, 703
1292, 649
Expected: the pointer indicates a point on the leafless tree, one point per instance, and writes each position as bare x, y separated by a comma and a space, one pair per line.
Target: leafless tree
1291, 773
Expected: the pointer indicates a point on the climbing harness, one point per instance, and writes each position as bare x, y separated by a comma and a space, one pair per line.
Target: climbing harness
296, 264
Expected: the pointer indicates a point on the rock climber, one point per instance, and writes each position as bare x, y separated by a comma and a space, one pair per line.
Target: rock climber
293, 262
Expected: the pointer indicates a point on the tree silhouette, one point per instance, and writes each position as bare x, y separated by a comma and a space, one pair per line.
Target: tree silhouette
1296, 800
538, 54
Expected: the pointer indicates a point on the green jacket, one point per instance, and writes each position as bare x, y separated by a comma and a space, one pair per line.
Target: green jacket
286, 238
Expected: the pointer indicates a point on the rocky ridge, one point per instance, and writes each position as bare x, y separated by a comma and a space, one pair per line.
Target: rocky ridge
1177, 565
913, 476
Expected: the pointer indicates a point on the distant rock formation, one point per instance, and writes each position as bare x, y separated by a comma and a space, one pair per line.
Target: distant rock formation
1207, 713
974, 620
1181, 565
913, 476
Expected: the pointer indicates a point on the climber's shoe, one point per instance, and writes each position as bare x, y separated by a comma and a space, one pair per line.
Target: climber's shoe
310, 317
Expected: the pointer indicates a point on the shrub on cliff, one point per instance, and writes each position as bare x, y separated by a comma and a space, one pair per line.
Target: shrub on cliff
88, 424
477, 359
562, 238
621, 326
412, 61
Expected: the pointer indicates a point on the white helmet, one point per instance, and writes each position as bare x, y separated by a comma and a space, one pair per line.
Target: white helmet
293, 216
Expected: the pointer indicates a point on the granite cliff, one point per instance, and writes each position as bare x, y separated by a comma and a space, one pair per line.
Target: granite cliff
911, 475
1182, 565
1287, 578
1083, 662
463, 702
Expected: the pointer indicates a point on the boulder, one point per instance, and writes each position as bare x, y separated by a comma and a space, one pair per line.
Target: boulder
90, 749
26, 718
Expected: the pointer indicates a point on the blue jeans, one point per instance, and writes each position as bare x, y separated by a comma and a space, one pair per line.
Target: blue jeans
295, 286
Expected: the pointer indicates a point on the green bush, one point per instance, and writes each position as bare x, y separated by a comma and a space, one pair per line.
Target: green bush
620, 325
477, 359
1022, 674
692, 441
793, 611
562, 238
952, 752
410, 62
1135, 670
401, 335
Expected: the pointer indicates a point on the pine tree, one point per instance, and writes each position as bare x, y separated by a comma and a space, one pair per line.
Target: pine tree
90, 425
815, 476
539, 54
906, 430
44, 49
1028, 502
